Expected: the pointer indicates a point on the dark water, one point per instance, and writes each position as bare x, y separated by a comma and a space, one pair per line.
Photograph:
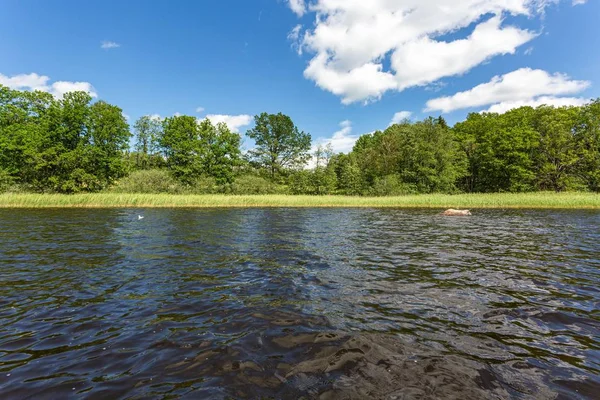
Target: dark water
286, 303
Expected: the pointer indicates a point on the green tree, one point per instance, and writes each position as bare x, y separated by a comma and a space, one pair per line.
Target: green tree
182, 148
107, 141
500, 150
220, 151
588, 137
558, 154
279, 143
147, 134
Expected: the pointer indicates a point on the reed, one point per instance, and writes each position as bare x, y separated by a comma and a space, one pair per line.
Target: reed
127, 200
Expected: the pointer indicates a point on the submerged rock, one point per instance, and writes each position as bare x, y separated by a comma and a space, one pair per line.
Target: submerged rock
456, 213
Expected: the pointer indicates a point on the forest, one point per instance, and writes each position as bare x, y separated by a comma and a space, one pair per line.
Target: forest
75, 145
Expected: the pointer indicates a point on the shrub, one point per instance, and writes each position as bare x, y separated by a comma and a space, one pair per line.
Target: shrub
6, 181
252, 184
202, 185
391, 185
148, 181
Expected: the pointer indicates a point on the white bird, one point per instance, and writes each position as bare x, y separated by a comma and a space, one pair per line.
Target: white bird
140, 217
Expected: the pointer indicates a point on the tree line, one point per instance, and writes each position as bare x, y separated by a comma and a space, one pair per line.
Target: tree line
72, 144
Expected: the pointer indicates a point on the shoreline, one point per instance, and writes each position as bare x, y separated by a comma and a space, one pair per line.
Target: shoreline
536, 200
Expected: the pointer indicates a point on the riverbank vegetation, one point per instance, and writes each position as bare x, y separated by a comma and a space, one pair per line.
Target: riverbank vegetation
72, 145
541, 200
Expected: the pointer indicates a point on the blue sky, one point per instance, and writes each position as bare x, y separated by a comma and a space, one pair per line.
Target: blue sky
338, 68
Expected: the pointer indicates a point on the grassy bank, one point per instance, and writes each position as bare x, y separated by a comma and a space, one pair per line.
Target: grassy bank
108, 200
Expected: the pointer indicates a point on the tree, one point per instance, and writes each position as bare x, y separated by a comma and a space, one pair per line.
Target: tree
558, 154
67, 145
429, 157
500, 150
220, 151
193, 149
107, 142
279, 143
147, 133
421, 156
181, 145
588, 137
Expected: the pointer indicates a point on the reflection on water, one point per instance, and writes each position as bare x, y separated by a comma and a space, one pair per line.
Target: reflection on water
299, 302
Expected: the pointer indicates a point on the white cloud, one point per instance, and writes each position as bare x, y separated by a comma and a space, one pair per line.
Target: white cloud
425, 60
107, 45
400, 116
31, 81
34, 81
503, 107
234, 122
523, 86
578, 2
294, 34
200, 109
352, 40
61, 87
297, 6
342, 141
294, 37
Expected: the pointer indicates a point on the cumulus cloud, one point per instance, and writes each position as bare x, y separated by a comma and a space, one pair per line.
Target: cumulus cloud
297, 6
342, 141
107, 45
505, 106
200, 109
524, 86
34, 81
352, 41
234, 122
400, 116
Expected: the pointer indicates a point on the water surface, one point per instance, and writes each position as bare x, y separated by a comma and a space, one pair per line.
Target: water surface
285, 303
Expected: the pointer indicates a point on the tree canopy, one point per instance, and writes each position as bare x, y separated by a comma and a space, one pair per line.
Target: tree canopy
279, 143
74, 144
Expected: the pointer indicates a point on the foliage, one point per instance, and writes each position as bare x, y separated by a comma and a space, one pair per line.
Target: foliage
252, 184
527, 149
391, 185
350, 180
279, 143
73, 144
65, 145
148, 181
423, 156
148, 131
221, 151
194, 149
587, 133
6, 181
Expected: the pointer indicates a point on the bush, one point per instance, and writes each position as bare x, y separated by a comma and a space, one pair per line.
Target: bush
203, 185
391, 185
148, 181
252, 184
6, 181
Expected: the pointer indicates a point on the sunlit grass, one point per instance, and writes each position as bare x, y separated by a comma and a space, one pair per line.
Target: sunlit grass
111, 200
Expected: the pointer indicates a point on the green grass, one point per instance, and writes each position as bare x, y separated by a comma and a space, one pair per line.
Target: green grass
113, 200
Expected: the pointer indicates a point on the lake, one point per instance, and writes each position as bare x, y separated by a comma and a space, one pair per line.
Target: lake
291, 303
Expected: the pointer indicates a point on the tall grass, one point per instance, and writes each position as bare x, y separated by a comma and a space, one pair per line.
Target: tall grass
123, 200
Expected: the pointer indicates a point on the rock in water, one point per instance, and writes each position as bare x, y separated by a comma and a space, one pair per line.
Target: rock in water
456, 213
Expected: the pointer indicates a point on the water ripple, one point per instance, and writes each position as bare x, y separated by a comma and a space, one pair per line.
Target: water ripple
299, 302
